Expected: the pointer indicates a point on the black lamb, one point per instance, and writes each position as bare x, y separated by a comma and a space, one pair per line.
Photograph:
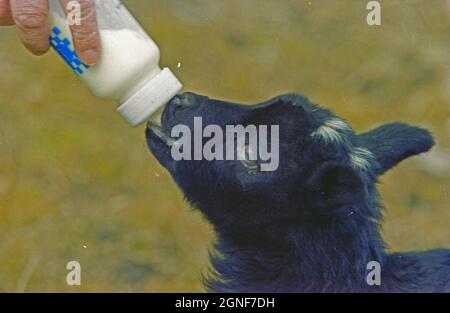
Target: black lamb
313, 225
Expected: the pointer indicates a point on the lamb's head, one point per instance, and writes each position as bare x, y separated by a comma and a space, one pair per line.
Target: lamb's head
319, 171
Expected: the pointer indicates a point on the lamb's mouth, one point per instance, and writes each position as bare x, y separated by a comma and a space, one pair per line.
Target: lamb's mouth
159, 132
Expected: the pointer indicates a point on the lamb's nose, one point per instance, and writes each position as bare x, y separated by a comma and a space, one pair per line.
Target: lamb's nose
182, 101
177, 106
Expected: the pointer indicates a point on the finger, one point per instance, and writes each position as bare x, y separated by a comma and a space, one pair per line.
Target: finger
85, 33
5, 13
31, 18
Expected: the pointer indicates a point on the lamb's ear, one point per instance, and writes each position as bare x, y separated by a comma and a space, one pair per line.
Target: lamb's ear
392, 143
333, 186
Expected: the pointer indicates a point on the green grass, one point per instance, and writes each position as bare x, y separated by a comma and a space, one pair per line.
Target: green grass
76, 183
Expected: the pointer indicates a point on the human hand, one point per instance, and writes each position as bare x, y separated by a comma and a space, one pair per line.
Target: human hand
31, 20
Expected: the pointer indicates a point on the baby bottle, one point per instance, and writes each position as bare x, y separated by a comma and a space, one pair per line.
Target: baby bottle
128, 71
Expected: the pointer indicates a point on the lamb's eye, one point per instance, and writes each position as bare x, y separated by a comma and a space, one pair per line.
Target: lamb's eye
246, 159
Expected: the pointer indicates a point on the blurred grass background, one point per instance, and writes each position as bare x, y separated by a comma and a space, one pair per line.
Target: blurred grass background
77, 183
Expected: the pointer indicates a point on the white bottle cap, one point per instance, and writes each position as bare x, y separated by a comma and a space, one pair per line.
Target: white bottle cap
150, 98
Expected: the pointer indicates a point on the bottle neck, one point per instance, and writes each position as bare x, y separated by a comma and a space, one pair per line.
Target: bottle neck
139, 83
149, 96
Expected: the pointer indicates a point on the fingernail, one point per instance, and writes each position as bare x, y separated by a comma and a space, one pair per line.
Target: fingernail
89, 57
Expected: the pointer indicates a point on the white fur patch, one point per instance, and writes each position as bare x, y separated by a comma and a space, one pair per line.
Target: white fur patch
336, 131
332, 130
361, 158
